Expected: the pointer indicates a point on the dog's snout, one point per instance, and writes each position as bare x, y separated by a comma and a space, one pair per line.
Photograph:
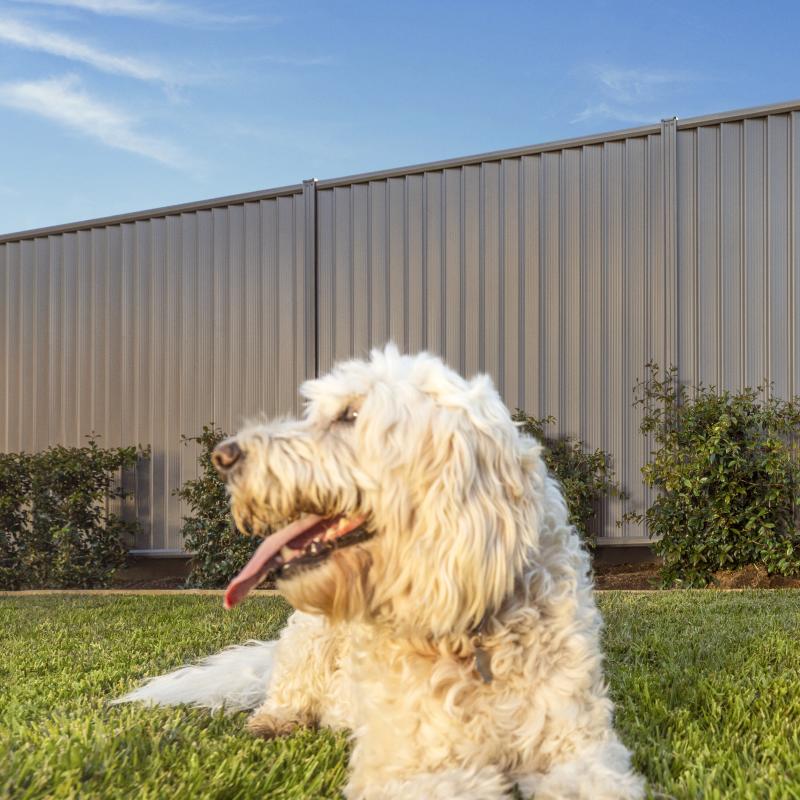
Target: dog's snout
225, 456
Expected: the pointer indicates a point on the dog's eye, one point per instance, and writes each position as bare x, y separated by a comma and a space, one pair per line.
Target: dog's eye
348, 415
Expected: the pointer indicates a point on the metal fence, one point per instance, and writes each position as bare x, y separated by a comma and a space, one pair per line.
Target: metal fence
559, 269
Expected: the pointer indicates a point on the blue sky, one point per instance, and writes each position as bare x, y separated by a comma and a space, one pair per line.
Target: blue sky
109, 106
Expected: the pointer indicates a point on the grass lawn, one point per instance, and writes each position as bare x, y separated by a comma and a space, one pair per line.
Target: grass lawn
707, 686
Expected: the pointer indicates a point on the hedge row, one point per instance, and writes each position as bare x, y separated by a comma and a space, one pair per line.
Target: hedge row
725, 466
220, 550
727, 470
57, 529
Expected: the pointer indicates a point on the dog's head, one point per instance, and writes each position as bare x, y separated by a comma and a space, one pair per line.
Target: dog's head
404, 493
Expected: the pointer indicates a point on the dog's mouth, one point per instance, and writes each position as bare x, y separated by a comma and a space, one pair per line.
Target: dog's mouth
303, 543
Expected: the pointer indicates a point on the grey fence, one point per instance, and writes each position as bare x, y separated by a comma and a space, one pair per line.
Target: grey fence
559, 269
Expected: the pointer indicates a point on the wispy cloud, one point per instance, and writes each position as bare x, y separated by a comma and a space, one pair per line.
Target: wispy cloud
63, 100
635, 85
635, 96
619, 114
57, 44
172, 13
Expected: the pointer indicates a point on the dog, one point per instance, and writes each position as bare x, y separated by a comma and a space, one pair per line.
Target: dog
444, 606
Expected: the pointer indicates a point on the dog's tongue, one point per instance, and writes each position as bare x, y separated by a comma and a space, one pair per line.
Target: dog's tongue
258, 566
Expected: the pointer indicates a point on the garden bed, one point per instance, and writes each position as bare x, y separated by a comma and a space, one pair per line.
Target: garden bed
645, 576
707, 686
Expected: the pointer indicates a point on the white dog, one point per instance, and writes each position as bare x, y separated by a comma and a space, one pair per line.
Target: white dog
445, 610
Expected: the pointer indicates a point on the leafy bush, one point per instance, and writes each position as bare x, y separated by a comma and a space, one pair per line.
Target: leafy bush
586, 477
727, 470
56, 527
15, 487
220, 550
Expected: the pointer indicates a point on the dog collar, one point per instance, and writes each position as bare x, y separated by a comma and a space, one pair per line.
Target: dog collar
483, 658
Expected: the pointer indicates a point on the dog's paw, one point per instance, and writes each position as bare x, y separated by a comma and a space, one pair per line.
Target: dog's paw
267, 726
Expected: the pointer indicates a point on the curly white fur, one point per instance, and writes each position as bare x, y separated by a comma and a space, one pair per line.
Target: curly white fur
233, 680
470, 532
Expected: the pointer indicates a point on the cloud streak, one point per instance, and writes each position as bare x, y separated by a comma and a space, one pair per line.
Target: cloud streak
172, 13
62, 100
632, 85
619, 114
57, 44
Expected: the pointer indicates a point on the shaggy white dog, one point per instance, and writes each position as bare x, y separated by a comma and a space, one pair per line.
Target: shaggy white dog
445, 610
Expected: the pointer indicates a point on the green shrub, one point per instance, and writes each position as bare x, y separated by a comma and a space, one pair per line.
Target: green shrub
57, 529
220, 550
586, 477
15, 482
727, 470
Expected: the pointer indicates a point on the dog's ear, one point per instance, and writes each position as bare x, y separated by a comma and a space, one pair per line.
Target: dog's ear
474, 524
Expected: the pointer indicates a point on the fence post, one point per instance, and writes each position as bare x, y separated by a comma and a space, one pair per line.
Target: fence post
669, 163
311, 271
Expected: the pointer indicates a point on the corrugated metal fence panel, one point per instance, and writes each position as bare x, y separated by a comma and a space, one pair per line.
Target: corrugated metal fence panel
146, 330
547, 271
559, 269
739, 260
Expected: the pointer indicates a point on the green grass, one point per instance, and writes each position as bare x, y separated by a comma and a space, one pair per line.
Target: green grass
707, 686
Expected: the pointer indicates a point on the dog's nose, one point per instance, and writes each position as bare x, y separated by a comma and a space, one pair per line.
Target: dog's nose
225, 456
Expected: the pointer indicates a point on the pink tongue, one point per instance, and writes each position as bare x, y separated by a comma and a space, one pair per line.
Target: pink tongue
258, 565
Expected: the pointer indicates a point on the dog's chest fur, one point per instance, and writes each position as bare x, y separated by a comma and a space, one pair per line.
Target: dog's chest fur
408, 696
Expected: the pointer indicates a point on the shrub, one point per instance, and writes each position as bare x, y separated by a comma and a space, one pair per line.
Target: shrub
14, 495
727, 471
57, 529
586, 477
220, 550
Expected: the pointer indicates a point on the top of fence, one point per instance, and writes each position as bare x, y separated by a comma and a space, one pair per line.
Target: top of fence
151, 213
364, 177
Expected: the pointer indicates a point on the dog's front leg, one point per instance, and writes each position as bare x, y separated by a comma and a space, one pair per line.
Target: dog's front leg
598, 771
308, 686
485, 783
